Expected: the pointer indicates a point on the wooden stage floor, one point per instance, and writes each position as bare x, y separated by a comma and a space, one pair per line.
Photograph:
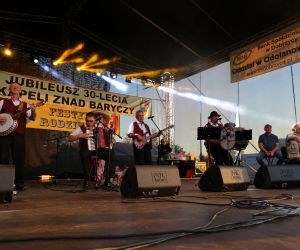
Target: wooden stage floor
60, 217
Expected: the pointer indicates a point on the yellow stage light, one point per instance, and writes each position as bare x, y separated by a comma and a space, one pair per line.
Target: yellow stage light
7, 52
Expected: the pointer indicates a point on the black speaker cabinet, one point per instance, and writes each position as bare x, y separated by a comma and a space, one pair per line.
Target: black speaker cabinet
150, 181
283, 176
7, 176
224, 178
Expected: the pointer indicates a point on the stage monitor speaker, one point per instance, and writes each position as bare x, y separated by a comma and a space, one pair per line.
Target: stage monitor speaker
7, 177
144, 181
282, 176
224, 178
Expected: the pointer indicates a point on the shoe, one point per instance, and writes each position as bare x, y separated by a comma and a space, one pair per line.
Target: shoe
111, 187
85, 184
20, 187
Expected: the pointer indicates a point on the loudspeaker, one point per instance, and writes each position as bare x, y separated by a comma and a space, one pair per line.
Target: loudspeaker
150, 181
224, 178
7, 177
284, 176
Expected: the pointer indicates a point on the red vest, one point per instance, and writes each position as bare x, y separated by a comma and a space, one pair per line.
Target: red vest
104, 138
9, 107
138, 130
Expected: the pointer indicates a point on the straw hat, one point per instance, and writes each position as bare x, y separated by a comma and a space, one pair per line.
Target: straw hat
106, 116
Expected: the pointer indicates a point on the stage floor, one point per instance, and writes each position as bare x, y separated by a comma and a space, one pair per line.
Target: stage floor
60, 217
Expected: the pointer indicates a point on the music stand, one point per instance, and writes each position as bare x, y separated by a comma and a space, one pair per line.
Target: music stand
242, 138
57, 140
205, 133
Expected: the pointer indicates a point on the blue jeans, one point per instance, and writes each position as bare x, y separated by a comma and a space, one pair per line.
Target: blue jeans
261, 156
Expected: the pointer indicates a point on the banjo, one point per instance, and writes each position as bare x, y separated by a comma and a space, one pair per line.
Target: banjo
11, 120
139, 144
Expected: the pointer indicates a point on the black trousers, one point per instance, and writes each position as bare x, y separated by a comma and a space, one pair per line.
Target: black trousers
14, 144
220, 155
143, 156
104, 154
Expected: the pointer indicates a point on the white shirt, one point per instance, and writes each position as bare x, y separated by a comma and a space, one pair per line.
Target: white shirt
17, 103
142, 127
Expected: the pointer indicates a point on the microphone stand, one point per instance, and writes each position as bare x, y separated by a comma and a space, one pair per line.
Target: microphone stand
107, 174
159, 145
57, 139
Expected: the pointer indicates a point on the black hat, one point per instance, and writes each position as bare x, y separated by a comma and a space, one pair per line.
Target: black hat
213, 113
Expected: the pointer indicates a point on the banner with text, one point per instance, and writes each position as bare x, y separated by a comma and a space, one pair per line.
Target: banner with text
65, 106
266, 56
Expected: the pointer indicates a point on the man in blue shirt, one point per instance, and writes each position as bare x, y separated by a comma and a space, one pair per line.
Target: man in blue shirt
269, 146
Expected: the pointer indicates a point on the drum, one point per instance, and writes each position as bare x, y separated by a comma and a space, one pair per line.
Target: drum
292, 149
8, 126
229, 140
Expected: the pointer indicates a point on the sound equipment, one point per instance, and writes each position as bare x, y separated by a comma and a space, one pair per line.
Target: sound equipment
224, 178
7, 176
144, 181
282, 176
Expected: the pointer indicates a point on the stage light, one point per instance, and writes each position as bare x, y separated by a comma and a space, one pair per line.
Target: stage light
128, 79
144, 80
113, 75
98, 74
7, 52
36, 61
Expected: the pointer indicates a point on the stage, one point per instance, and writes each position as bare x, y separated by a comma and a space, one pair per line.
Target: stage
61, 216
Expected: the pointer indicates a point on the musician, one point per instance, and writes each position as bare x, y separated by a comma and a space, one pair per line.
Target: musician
139, 131
269, 146
220, 155
15, 142
292, 144
89, 135
164, 151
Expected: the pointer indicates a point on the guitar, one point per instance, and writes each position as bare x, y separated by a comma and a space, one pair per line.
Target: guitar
11, 119
141, 141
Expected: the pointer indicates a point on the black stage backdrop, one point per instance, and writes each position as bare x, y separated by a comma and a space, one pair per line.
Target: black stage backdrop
50, 153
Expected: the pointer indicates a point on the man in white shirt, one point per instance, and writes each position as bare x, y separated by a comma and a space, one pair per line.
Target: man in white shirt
14, 142
141, 135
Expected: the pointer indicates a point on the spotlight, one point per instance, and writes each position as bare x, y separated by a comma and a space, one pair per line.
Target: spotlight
98, 74
128, 79
36, 61
7, 52
113, 75
144, 80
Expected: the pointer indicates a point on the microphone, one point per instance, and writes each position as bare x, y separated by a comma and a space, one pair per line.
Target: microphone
99, 118
151, 117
